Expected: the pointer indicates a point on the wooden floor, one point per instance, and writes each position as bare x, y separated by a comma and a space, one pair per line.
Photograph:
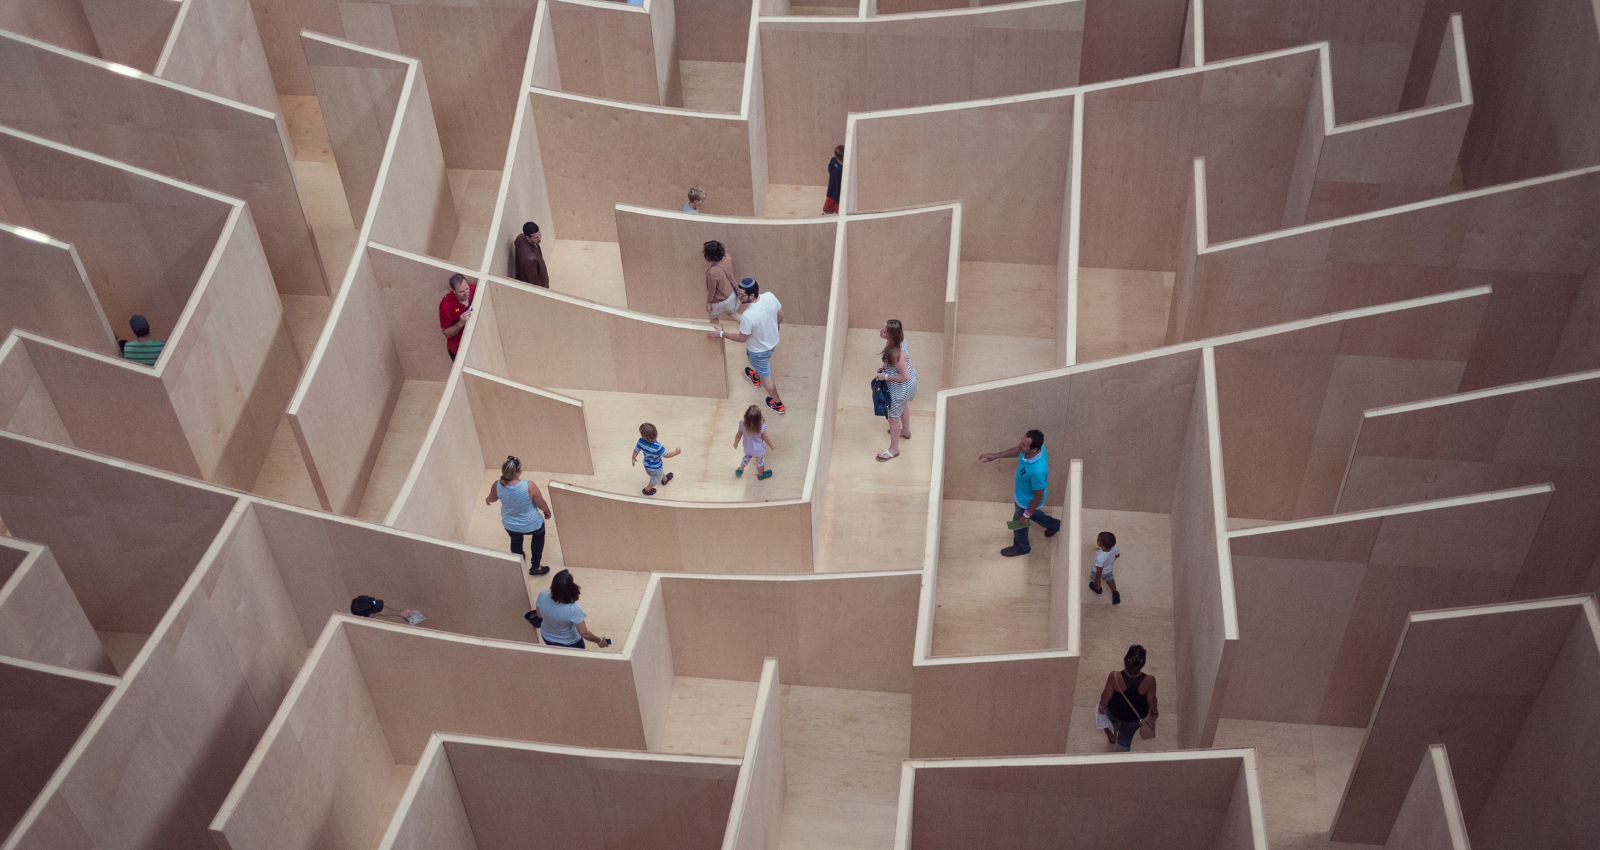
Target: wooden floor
842, 752
402, 440
1006, 316
474, 193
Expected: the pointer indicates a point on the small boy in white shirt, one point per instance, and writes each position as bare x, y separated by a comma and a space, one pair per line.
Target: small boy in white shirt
1104, 560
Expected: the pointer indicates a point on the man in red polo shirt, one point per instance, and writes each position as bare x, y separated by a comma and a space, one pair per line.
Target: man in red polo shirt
454, 311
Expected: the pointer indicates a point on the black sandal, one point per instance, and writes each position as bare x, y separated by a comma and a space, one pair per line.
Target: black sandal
667, 480
649, 491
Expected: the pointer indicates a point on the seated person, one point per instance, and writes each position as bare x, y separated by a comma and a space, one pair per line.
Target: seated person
142, 350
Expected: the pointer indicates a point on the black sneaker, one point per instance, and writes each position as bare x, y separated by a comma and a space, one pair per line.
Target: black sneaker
751, 374
538, 571
1116, 598
1012, 551
777, 406
1051, 532
1094, 588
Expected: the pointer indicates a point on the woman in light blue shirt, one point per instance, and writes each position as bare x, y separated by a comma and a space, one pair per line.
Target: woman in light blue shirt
522, 512
563, 617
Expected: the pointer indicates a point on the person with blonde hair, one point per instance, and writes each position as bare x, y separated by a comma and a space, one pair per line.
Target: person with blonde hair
654, 452
523, 512
697, 196
753, 433
902, 378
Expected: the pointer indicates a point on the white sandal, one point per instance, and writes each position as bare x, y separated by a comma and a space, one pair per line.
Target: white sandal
885, 456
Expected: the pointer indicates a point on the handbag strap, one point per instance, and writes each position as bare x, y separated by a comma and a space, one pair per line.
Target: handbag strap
1122, 693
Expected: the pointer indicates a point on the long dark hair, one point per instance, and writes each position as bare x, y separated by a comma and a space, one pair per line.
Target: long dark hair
563, 589
892, 343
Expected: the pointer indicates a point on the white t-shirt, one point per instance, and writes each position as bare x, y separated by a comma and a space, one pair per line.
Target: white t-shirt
760, 321
1104, 561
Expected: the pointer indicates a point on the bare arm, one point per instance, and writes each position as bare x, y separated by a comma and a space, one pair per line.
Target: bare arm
733, 335
1011, 452
494, 493
767, 436
673, 453
1152, 695
902, 374
634, 461
780, 317
583, 631
538, 499
1108, 690
1035, 502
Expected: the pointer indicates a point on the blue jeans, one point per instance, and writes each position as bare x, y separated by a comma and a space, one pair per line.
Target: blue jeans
1125, 731
1019, 538
761, 361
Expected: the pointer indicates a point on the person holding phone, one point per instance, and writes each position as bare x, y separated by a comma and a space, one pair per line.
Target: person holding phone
454, 311
562, 617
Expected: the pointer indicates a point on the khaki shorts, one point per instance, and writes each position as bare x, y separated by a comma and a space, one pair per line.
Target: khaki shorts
726, 307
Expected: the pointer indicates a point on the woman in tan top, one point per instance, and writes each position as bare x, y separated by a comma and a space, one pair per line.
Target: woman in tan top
720, 299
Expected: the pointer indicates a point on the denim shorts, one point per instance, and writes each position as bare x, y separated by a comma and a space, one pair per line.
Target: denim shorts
761, 361
655, 476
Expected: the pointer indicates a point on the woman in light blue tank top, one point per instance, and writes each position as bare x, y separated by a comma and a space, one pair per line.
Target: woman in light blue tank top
522, 512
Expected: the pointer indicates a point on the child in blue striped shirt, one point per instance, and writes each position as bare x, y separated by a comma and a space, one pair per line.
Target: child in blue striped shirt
654, 453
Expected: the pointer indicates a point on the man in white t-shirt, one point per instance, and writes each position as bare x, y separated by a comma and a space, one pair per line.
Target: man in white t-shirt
1105, 560
758, 330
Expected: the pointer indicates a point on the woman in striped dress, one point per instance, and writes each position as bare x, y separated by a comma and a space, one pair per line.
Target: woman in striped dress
902, 378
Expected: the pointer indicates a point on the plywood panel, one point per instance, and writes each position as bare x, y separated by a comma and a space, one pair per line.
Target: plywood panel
230, 366
359, 91
650, 156
415, 210
565, 697
1430, 817
649, 651
757, 817
1065, 799
712, 31
175, 131
1371, 44
327, 744
446, 478
60, 22
559, 342
410, 289
44, 289
1466, 679
166, 748
342, 407
1536, 268
1126, 39
1322, 603
815, 73
132, 33
1506, 437
431, 814
40, 619
611, 800
544, 429
1140, 140
1129, 417
992, 706
606, 50
612, 531
144, 240
664, 268
1205, 620
473, 74
43, 710
1006, 162
324, 562
866, 645
127, 548
25, 404
1543, 795
900, 269
215, 47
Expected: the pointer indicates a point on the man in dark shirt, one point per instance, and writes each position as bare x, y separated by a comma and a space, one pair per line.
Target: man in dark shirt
454, 310
830, 204
529, 258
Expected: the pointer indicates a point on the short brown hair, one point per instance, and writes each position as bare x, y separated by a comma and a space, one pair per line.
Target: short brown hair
648, 432
455, 279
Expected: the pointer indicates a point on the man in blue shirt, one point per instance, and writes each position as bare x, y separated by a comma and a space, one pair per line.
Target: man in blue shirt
1033, 477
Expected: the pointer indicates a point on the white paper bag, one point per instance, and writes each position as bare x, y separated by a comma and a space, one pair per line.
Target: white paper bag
1101, 721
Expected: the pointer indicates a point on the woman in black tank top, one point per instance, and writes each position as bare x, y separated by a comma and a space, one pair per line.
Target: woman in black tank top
1129, 698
